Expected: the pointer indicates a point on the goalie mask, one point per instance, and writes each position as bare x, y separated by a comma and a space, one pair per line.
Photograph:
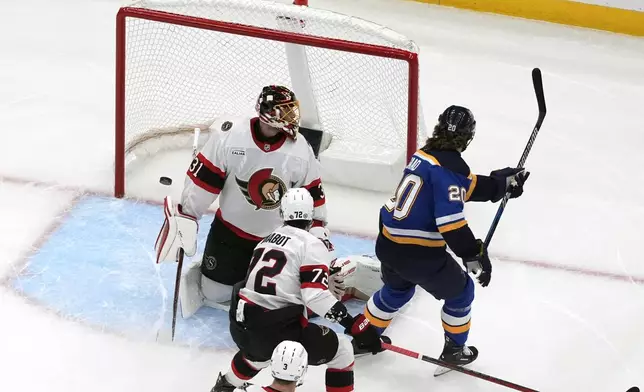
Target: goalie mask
278, 107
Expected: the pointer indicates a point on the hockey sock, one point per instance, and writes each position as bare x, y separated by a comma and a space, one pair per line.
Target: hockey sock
456, 314
339, 380
384, 304
242, 370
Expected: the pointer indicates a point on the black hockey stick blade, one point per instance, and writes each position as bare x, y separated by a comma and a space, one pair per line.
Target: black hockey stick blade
473, 373
538, 89
537, 83
177, 283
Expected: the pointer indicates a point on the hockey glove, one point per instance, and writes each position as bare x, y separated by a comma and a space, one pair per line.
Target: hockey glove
480, 265
510, 180
365, 335
340, 270
179, 231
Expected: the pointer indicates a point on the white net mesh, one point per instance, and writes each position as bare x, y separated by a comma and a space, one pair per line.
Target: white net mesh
177, 76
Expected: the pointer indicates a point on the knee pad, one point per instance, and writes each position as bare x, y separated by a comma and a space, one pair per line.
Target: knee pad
343, 359
464, 299
391, 300
384, 304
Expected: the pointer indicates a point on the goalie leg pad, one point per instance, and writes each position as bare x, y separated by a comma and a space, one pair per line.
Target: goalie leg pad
361, 275
215, 294
190, 294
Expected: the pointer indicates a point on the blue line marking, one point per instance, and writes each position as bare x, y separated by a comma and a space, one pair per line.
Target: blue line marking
99, 267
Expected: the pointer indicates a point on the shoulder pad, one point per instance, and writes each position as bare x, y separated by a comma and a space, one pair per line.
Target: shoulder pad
453, 161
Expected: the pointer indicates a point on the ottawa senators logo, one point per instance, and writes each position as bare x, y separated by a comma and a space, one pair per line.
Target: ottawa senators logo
263, 189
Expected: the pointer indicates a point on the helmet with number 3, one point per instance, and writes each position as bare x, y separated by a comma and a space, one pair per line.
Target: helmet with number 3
277, 106
289, 361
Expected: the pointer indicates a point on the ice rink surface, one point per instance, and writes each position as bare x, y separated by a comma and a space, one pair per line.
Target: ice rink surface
564, 311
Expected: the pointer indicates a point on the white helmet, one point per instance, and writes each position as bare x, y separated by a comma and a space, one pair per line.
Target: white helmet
297, 204
289, 361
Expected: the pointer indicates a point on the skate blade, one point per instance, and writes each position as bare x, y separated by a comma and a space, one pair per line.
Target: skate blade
442, 370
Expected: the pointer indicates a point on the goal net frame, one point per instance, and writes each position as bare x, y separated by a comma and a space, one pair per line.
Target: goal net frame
256, 32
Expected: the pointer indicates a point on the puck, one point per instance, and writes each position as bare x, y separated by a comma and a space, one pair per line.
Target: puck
165, 180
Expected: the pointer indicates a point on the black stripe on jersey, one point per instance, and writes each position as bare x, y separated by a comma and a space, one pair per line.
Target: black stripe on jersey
316, 191
314, 276
206, 175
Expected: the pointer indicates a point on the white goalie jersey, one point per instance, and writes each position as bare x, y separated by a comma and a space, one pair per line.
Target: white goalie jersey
250, 175
290, 266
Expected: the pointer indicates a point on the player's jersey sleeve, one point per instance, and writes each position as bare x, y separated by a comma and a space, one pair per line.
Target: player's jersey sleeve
484, 188
450, 193
314, 277
206, 175
312, 182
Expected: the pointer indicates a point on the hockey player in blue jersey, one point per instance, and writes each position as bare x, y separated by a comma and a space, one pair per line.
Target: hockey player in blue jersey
426, 214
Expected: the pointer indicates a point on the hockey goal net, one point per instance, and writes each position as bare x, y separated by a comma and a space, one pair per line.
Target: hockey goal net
180, 64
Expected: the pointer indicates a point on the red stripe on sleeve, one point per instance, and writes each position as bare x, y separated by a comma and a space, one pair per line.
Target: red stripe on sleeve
313, 184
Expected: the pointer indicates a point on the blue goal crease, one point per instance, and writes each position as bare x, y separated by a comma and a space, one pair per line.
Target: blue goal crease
99, 267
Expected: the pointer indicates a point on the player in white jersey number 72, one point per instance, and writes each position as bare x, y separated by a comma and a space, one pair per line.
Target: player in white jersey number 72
289, 273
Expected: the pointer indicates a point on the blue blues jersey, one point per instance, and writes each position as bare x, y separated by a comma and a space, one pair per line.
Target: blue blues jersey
429, 200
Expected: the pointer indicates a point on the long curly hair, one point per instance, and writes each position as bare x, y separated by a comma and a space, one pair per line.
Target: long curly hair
443, 140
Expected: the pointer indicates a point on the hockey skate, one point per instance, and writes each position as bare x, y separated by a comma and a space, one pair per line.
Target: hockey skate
456, 355
222, 385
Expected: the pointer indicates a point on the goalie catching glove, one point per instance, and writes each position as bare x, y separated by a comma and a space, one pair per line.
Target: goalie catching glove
179, 231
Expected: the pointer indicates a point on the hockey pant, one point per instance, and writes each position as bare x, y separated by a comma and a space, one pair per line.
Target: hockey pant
403, 267
262, 330
227, 253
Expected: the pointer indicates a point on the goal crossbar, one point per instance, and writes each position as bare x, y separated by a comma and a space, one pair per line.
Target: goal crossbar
256, 32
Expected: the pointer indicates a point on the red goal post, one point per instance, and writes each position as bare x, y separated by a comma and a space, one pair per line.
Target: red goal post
147, 107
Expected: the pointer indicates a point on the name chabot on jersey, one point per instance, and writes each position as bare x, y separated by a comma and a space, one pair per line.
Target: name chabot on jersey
277, 239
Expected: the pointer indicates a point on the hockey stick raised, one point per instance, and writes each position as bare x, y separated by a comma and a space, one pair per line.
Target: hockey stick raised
541, 101
469, 372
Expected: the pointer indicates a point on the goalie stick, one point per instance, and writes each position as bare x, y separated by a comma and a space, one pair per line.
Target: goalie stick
541, 101
177, 281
